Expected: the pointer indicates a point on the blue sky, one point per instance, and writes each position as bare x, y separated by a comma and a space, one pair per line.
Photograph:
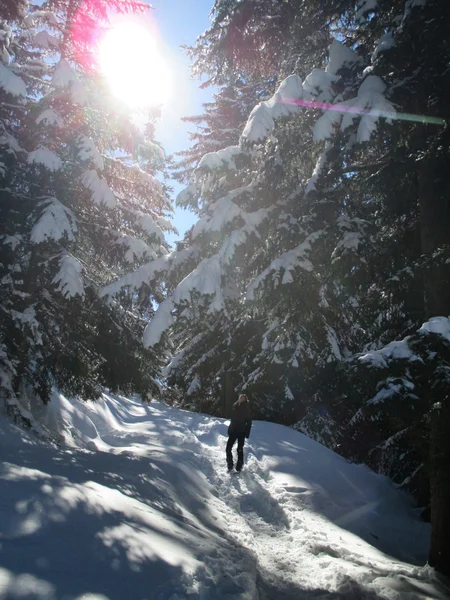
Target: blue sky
180, 22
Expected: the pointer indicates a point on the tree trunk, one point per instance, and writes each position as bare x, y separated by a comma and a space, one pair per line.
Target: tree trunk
229, 395
440, 488
434, 202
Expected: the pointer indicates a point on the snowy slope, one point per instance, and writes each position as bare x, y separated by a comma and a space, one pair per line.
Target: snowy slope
138, 505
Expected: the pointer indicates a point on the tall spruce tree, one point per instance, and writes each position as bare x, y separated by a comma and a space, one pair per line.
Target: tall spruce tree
76, 215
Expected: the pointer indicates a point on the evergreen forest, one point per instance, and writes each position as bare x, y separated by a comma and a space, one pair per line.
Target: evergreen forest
316, 278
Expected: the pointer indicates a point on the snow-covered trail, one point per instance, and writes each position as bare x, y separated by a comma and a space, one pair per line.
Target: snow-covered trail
297, 554
140, 506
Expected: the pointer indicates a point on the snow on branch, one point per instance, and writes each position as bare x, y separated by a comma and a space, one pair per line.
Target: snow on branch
187, 195
63, 75
10, 83
286, 263
136, 249
87, 151
318, 169
68, 280
365, 7
101, 192
369, 105
50, 117
239, 237
45, 157
261, 121
56, 222
221, 159
401, 350
386, 42
437, 325
150, 224
393, 351
340, 56
223, 211
353, 234
205, 279
136, 279
318, 86
45, 40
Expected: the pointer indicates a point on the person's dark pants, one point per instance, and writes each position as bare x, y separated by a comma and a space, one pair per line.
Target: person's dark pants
232, 437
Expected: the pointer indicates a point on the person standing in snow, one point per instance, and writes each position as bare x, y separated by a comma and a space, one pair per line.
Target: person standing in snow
239, 429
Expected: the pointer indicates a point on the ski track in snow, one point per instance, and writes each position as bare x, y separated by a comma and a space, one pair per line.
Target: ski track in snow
161, 509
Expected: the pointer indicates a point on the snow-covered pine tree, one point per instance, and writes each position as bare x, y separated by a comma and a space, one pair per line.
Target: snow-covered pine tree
21, 71
407, 399
265, 39
263, 238
88, 207
221, 123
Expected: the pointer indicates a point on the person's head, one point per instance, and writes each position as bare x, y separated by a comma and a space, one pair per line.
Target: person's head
242, 398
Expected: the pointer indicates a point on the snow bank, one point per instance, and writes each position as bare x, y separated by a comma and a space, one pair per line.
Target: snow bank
137, 504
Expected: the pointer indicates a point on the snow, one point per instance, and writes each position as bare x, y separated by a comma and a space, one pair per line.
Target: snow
46, 15
136, 249
79, 93
401, 349
364, 8
45, 40
148, 223
10, 141
261, 121
221, 159
28, 317
369, 105
87, 151
55, 222
286, 264
50, 117
318, 169
223, 211
101, 192
10, 83
340, 56
409, 5
393, 351
135, 279
386, 42
68, 280
63, 75
238, 237
186, 195
45, 157
206, 279
137, 504
318, 85
438, 325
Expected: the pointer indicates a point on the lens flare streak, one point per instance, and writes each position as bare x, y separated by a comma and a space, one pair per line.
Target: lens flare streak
341, 108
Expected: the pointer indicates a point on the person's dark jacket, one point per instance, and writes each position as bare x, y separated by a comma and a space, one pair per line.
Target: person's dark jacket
241, 419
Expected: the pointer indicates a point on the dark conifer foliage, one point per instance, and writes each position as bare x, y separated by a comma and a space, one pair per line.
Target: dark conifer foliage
74, 216
221, 123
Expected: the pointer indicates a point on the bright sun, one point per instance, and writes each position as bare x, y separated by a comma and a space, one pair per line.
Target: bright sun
133, 67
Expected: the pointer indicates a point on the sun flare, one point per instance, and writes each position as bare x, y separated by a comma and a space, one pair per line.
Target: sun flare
136, 72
